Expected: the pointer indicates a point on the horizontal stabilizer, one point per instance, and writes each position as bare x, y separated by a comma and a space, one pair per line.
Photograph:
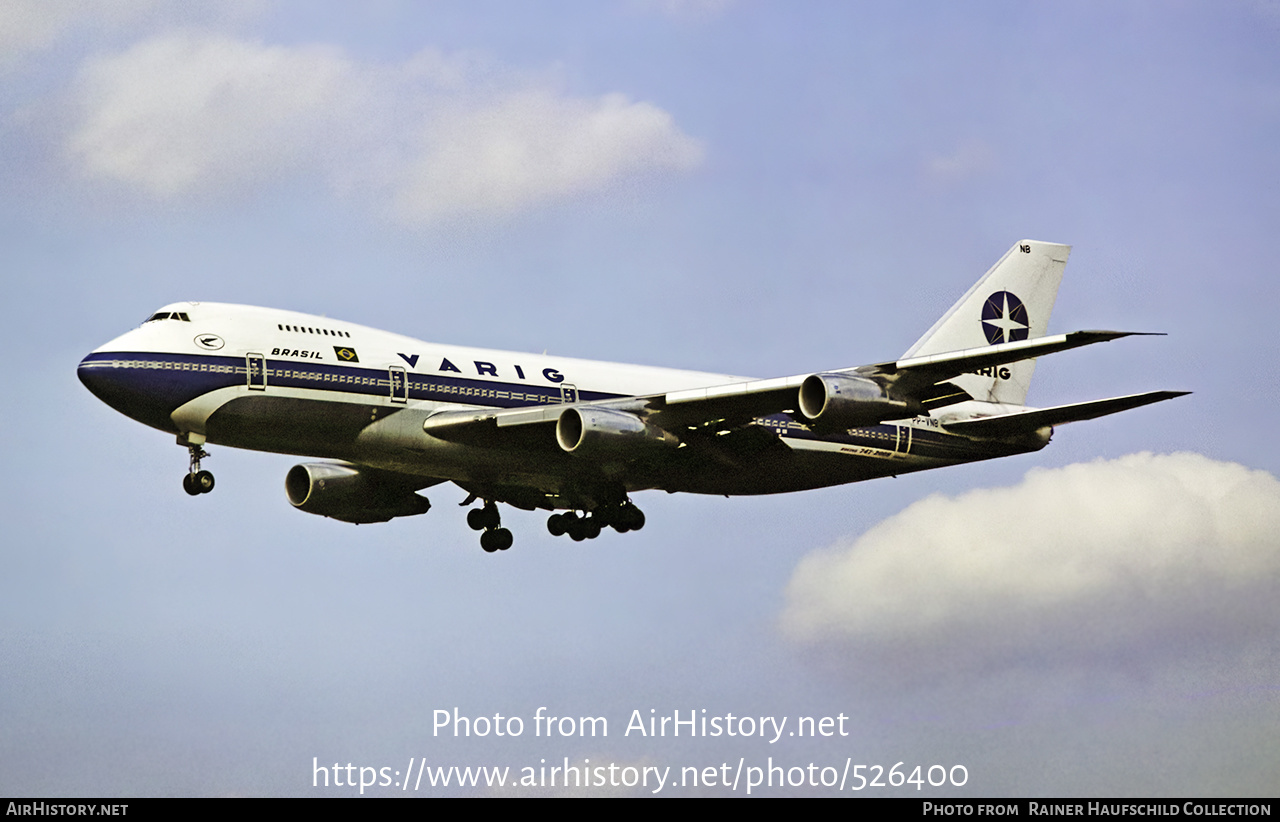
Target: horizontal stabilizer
1026, 422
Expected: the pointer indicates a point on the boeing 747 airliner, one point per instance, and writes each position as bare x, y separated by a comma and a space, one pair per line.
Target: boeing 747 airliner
395, 415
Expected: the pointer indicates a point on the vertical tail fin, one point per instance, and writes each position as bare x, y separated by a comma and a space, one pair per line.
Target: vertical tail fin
1011, 302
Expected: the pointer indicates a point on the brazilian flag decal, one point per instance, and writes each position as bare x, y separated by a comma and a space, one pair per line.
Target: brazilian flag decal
345, 354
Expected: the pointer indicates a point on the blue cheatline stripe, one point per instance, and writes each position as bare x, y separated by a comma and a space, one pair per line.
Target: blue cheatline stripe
204, 373
171, 380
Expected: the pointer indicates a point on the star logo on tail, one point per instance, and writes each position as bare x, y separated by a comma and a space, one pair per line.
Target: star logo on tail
1004, 318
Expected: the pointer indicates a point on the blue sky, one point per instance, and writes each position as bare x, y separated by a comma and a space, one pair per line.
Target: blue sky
737, 187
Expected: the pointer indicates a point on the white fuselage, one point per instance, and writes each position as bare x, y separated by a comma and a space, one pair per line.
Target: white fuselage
293, 383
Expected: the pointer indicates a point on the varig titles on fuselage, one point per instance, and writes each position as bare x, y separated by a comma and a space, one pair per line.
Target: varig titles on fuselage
488, 369
482, 368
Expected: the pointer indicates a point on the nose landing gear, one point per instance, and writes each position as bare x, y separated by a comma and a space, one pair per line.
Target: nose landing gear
197, 482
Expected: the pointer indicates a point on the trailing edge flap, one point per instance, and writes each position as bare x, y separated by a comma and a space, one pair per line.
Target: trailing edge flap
480, 425
1026, 422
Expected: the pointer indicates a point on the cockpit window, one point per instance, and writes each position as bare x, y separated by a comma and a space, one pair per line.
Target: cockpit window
168, 315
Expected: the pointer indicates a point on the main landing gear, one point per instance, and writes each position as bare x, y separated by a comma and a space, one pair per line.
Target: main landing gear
197, 482
622, 517
489, 521
625, 517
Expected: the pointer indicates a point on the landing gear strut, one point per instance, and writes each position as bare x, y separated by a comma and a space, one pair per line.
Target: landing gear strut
197, 482
487, 519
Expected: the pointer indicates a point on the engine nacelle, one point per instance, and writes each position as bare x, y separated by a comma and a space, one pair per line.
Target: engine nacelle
608, 431
841, 401
350, 494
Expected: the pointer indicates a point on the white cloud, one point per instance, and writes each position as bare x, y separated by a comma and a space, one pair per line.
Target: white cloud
182, 113
534, 145
28, 27
1134, 561
186, 114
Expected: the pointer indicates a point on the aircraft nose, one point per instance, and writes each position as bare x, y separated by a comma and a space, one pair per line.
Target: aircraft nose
95, 377
125, 389
106, 381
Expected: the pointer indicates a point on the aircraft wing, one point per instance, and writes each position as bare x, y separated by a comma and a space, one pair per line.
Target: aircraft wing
921, 380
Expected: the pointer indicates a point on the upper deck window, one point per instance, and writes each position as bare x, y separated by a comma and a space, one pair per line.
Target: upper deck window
306, 329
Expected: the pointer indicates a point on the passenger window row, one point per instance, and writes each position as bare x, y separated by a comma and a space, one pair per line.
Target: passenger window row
300, 329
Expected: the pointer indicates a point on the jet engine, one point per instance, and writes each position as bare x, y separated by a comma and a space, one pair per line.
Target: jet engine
607, 431
350, 493
841, 401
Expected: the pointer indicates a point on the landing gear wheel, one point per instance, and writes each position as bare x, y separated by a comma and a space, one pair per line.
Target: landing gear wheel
591, 527
488, 520
556, 525
496, 539
196, 482
484, 518
200, 482
627, 518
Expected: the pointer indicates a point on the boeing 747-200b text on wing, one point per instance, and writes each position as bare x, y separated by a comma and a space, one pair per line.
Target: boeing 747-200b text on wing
399, 415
